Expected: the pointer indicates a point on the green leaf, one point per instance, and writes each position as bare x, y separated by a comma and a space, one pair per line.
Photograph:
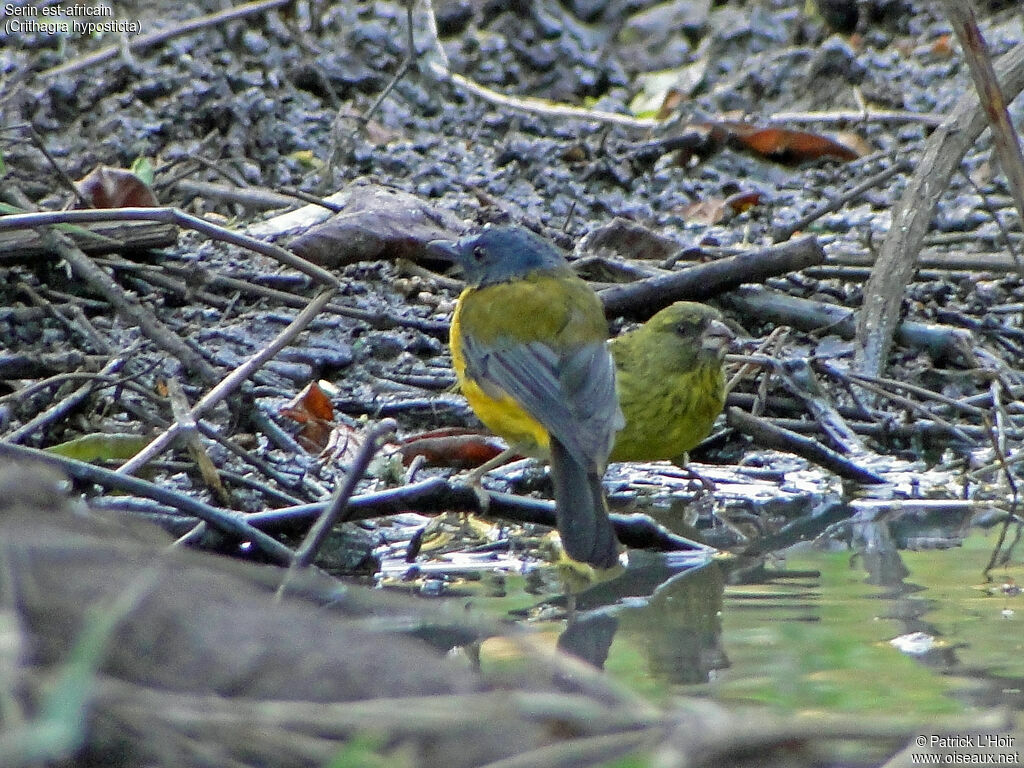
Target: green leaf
143, 168
101, 447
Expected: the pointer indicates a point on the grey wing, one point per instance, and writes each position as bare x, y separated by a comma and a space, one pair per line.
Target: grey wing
573, 396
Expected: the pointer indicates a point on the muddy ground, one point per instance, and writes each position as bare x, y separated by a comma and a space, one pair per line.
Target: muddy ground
275, 101
250, 114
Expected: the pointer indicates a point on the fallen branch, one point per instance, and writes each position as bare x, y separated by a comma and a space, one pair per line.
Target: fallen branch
912, 216
768, 435
177, 218
228, 522
942, 342
22, 246
439, 495
645, 297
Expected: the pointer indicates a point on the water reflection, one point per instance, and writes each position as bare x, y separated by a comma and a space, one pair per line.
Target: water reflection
670, 617
858, 623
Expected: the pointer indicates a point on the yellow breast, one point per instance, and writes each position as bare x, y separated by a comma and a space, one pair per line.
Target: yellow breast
502, 416
555, 308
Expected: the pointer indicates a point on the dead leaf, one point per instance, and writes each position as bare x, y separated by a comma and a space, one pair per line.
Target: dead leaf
785, 145
716, 210
707, 212
377, 223
312, 409
942, 47
105, 187
459, 448
743, 201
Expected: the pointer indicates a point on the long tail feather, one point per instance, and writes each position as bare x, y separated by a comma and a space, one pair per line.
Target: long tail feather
587, 533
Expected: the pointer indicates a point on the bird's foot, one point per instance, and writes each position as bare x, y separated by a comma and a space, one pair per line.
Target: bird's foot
683, 462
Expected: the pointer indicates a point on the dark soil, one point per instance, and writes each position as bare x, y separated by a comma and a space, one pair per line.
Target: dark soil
263, 102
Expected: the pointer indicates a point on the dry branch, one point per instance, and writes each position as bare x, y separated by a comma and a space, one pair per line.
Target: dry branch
645, 297
912, 216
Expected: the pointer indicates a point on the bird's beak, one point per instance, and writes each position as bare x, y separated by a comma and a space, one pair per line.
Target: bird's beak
444, 250
717, 337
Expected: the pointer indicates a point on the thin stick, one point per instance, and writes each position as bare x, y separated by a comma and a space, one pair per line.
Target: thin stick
177, 218
230, 383
60, 409
333, 513
229, 522
1004, 138
784, 233
130, 308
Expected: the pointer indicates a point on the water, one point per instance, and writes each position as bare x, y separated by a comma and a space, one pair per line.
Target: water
813, 631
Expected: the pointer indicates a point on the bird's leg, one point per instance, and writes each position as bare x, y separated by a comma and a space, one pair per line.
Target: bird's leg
683, 462
477, 475
474, 478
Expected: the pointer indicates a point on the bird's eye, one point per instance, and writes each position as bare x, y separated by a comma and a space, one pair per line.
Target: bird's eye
478, 253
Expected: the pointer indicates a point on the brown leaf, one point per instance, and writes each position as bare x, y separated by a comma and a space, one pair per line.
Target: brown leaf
715, 210
105, 187
377, 223
743, 201
313, 410
942, 47
785, 145
460, 448
712, 211
673, 98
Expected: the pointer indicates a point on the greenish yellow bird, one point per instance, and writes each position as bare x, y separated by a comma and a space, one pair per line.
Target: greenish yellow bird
528, 343
670, 381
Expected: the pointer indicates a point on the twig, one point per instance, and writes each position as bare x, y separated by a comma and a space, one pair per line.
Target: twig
333, 514
57, 379
797, 376
61, 409
912, 388
189, 429
906, 402
249, 287
379, 320
131, 309
883, 294
80, 325
540, 107
714, 277
231, 382
886, 431
998, 447
37, 141
1004, 138
986, 205
249, 457
769, 435
892, 116
403, 69
784, 233
178, 218
260, 199
230, 523
748, 367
